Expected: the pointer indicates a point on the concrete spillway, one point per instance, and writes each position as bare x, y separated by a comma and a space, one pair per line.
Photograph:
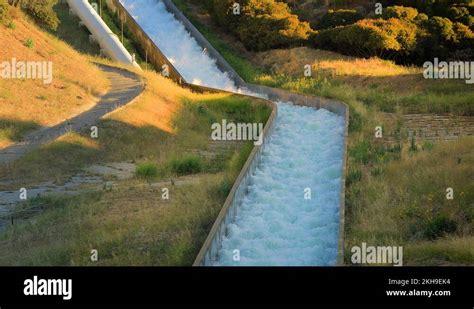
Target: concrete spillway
290, 214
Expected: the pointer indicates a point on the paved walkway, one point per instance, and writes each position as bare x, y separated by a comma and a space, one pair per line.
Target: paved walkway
125, 86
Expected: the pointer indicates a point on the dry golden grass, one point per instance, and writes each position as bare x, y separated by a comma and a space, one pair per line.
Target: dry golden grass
357, 72
159, 124
293, 60
158, 105
407, 205
450, 251
132, 225
74, 89
129, 227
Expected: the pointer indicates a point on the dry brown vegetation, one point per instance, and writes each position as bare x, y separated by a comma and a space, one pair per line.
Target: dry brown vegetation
395, 185
356, 72
132, 225
29, 104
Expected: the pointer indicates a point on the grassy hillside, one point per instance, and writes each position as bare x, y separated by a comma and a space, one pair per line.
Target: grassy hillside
396, 185
27, 104
165, 131
374, 82
142, 131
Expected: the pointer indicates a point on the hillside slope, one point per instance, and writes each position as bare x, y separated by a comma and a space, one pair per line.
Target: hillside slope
27, 104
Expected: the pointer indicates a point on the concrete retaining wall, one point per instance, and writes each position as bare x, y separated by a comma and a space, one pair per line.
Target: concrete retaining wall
150, 52
239, 190
212, 244
223, 65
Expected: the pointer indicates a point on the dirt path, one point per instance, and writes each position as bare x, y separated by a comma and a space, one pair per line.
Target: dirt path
125, 86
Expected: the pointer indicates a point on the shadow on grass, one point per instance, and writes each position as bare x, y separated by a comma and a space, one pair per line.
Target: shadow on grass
120, 141
71, 33
12, 130
70, 153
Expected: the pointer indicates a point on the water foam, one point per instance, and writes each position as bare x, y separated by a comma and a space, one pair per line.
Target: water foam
274, 225
178, 45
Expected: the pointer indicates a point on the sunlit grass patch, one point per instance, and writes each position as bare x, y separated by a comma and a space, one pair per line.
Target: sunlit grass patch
146, 170
75, 85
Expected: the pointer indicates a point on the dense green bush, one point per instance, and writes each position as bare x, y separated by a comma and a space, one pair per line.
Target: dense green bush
430, 7
445, 40
335, 18
463, 34
4, 8
222, 13
441, 29
146, 170
186, 165
460, 14
41, 10
370, 37
261, 24
410, 38
400, 12
420, 19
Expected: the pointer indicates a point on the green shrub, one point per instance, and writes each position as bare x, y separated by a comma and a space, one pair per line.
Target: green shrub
335, 18
441, 28
439, 226
41, 10
266, 32
146, 170
420, 19
400, 12
29, 43
223, 14
262, 24
187, 165
460, 14
370, 37
462, 33
430, 7
445, 40
4, 9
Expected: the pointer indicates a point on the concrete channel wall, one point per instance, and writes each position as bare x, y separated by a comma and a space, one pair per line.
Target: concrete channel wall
211, 246
150, 52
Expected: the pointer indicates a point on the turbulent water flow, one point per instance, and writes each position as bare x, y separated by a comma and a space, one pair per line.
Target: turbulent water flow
291, 214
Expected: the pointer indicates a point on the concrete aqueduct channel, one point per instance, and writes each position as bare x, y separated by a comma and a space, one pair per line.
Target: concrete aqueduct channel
266, 219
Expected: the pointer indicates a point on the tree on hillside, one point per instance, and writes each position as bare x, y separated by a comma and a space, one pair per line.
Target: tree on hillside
261, 24
41, 10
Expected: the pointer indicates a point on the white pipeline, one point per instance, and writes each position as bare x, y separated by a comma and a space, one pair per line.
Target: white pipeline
107, 40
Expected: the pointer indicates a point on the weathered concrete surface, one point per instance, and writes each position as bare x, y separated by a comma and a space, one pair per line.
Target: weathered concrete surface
120, 170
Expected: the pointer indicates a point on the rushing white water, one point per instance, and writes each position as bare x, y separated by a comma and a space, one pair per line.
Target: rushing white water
276, 224
177, 44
